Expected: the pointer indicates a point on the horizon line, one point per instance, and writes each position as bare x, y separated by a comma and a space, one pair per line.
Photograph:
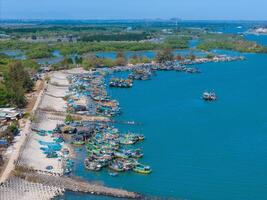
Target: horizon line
130, 19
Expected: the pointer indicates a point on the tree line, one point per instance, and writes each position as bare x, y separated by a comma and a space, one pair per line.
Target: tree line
16, 82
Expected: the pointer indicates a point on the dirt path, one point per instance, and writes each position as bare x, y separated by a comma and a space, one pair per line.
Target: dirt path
32, 97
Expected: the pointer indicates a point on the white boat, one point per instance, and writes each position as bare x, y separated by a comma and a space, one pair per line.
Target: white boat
209, 96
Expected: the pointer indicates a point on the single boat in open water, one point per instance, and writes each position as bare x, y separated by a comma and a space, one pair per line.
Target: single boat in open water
209, 96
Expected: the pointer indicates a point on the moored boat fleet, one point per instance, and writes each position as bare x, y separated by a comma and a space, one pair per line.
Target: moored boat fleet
119, 82
106, 146
146, 71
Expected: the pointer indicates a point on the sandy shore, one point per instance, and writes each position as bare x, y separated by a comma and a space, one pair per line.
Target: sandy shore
32, 155
52, 101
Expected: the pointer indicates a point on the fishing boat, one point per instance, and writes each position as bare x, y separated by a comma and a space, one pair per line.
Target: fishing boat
192, 70
58, 140
142, 169
123, 83
42, 133
91, 165
209, 96
116, 166
52, 154
130, 138
140, 137
128, 164
127, 141
67, 171
133, 153
120, 155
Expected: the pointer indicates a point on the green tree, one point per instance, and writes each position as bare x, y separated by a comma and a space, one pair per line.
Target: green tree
164, 55
4, 98
179, 57
107, 62
191, 56
134, 59
69, 119
120, 59
78, 59
90, 62
27, 82
11, 131
210, 56
17, 81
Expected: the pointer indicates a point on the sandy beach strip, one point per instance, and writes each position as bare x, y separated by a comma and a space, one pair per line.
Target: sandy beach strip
32, 155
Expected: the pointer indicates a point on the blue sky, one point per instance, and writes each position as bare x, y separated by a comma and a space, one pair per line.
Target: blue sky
134, 9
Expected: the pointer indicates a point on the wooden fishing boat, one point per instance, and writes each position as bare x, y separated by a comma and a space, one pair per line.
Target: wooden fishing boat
91, 165
133, 153
127, 141
52, 154
140, 137
142, 169
116, 167
120, 155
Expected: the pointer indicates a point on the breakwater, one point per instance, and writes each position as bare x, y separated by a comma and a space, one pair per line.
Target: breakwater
75, 184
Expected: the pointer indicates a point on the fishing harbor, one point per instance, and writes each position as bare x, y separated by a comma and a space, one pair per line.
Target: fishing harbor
68, 100
76, 110
106, 146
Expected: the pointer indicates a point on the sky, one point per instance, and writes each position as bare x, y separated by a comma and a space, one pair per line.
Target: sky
134, 9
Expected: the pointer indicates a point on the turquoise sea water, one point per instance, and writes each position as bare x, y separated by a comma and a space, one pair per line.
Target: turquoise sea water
197, 150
